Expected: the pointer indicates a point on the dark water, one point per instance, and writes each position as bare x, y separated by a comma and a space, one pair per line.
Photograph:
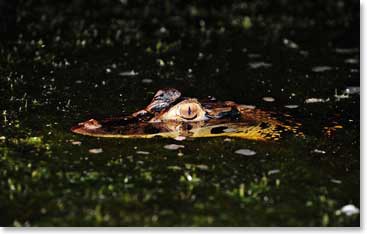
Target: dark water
70, 62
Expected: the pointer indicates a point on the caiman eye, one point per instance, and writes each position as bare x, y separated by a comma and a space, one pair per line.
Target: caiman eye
188, 111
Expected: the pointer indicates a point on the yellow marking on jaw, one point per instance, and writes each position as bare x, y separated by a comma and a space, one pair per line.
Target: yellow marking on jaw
250, 128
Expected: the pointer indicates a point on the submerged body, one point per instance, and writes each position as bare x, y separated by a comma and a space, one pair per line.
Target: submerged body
169, 115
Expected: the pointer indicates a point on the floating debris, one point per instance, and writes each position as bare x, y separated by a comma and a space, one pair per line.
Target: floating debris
202, 167
173, 147
142, 152
329, 131
319, 151
160, 62
254, 55
129, 73
96, 151
321, 68
256, 65
228, 139
304, 52
246, 22
354, 70
351, 61
188, 176
291, 106
246, 152
174, 168
290, 44
349, 210
353, 90
336, 181
316, 100
348, 91
275, 171
346, 50
147, 81
268, 99
76, 142
340, 96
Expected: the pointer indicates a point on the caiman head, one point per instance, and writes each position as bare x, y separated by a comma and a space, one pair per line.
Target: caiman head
168, 105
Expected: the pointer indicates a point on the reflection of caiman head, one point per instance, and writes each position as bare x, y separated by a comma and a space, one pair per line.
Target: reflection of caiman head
170, 115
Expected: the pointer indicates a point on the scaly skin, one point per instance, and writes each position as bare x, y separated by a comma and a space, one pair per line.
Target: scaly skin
168, 116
